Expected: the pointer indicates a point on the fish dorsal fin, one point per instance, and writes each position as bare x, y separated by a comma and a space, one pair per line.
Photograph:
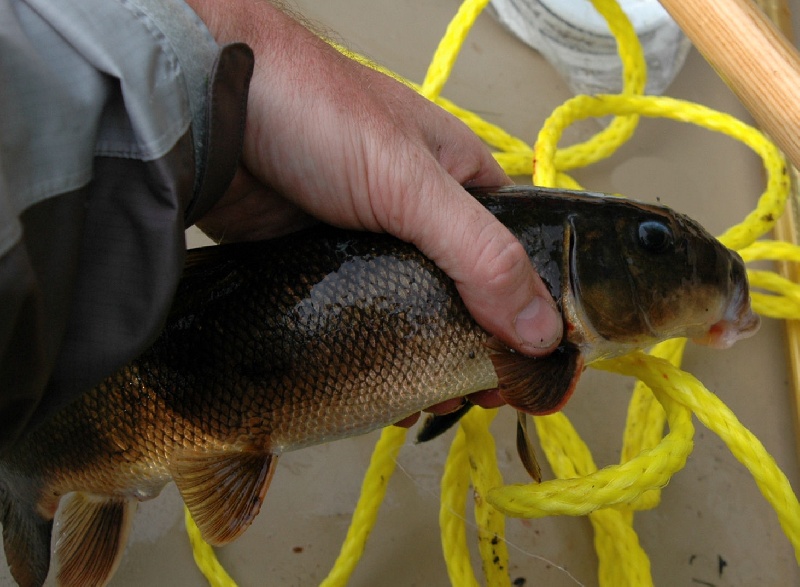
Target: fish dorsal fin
91, 534
536, 385
223, 491
525, 448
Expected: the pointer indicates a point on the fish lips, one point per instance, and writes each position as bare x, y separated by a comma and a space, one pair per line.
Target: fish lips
738, 320
744, 323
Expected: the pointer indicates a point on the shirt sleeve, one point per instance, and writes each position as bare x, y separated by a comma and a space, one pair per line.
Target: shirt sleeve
122, 124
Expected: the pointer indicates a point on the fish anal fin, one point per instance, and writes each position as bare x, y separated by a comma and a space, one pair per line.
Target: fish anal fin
536, 385
26, 539
91, 534
223, 491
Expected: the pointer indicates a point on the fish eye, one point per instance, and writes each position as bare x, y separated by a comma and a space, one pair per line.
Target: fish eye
655, 236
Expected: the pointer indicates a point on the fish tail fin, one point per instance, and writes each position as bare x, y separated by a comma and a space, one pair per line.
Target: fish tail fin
26, 536
91, 537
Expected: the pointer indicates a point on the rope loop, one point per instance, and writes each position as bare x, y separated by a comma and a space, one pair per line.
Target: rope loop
663, 393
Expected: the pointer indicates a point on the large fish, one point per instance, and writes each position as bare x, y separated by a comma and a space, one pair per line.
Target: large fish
325, 334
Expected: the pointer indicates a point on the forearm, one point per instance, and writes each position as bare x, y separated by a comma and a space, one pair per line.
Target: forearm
296, 72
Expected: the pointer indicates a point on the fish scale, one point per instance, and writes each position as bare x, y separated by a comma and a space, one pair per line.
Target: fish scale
324, 334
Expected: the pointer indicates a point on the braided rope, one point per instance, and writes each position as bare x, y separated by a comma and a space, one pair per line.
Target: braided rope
664, 393
373, 490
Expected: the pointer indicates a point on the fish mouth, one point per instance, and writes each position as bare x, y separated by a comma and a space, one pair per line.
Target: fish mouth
739, 322
725, 333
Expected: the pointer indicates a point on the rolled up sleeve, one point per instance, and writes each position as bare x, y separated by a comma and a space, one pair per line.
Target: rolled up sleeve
122, 124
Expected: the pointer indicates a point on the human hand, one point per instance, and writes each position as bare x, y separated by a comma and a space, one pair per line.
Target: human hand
327, 138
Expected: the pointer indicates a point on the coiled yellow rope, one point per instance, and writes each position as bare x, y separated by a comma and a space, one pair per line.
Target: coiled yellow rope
664, 393
373, 489
204, 556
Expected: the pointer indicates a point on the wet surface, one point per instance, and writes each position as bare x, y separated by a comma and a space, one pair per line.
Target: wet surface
713, 527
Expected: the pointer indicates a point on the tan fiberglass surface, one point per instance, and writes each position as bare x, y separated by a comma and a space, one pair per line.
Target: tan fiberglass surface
712, 528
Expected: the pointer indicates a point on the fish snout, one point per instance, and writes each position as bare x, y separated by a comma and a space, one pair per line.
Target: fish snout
739, 321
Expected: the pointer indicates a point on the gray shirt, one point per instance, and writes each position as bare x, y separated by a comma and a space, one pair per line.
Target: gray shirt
121, 123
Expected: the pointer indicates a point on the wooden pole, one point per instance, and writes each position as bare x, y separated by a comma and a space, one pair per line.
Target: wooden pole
758, 63
751, 48
788, 226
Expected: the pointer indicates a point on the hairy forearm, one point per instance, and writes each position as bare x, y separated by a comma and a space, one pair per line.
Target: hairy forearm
295, 72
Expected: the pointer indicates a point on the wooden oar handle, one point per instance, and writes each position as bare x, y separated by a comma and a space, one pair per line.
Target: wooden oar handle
753, 57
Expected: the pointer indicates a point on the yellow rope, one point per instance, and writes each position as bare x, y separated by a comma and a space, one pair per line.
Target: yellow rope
634, 79
581, 488
373, 489
645, 423
452, 510
447, 52
772, 201
485, 476
621, 560
204, 556
686, 391
664, 393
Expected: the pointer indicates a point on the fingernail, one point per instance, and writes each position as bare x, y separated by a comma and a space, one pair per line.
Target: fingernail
539, 324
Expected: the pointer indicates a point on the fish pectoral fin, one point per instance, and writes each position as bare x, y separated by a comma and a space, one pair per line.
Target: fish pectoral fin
536, 385
91, 534
525, 448
223, 491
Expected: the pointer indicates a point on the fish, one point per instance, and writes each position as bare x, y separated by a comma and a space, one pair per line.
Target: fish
327, 333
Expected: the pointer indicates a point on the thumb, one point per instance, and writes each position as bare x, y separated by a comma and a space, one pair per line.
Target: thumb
491, 269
